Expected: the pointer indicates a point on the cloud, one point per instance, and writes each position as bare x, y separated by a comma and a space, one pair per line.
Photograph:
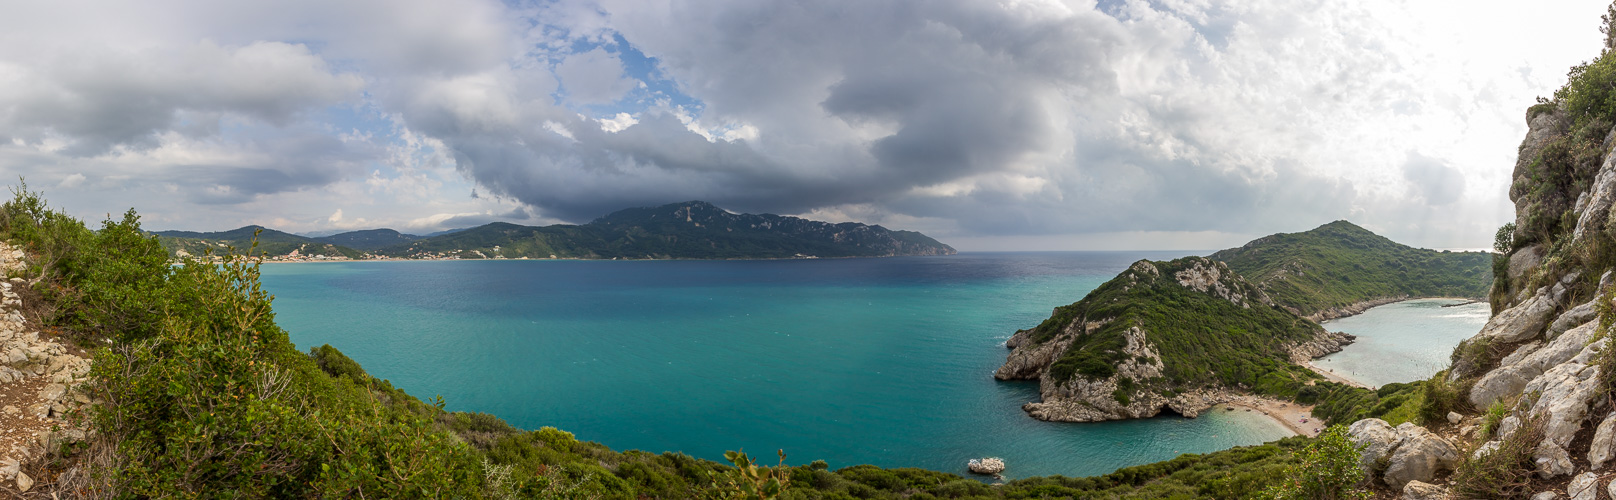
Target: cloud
593, 77
1038, 120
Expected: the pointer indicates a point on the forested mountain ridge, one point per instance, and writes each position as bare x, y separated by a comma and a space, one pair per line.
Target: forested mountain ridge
690, 230
1326, 271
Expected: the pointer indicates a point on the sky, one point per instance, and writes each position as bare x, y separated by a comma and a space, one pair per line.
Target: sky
989, 125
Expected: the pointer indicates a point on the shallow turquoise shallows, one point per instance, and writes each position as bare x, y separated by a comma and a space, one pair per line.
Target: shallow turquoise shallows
880, 361
1403, 341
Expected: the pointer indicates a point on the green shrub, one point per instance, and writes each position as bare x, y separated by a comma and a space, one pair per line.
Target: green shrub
1505, 472
1326, 469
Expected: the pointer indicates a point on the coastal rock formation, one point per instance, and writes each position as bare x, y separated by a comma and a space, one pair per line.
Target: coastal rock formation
991, 465
1102, 358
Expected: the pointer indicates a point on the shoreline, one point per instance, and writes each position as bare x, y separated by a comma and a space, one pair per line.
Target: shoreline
1340, 378
1287, 414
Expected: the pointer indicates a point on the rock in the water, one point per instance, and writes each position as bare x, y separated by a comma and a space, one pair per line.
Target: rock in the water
1603, 447
1420, 490
986, 465
1419, 456
24, 482
1584, 487
1552, 460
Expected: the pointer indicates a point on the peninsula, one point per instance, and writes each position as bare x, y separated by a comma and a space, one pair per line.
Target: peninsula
1186, 334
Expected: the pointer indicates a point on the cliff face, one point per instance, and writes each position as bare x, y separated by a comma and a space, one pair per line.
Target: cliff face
1162, 335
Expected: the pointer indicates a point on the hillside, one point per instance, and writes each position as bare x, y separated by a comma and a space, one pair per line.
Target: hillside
1186, 334
1324, 272
271, 243
1163, 335
369, 239
690, 230
198, 393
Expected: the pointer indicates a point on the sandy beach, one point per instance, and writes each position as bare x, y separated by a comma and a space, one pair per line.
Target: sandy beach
1297, 418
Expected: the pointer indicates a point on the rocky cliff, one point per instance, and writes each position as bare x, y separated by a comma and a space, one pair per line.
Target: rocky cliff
1174, 335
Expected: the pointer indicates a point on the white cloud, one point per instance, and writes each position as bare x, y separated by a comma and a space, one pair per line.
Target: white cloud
594, 77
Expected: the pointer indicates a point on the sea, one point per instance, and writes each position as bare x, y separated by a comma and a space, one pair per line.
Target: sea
852, 361
1403, 341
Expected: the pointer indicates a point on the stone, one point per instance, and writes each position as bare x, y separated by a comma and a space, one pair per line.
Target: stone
1420, 490
1603, 447
1419, 456
1584, 487
1376, 438
1522, 322
11, 410
1575, 317
52, 392
24, 482
1454, 417
1524, 262
989, 465
9, 467
1467, 430
1509, 379
1546, 495
1552, 460
1564, 395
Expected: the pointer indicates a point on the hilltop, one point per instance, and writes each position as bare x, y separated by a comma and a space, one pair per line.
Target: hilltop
1335, 269
1189, 333
689, 230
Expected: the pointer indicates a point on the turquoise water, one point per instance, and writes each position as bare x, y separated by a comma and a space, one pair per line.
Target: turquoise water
880, 361
1403, 341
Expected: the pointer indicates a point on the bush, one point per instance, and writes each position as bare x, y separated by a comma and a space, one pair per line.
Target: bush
1505, 472
1327, 469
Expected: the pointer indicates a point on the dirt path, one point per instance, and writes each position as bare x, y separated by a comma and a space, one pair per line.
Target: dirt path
37, 380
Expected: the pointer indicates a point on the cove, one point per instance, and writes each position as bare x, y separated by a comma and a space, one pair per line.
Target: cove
852, 361
1403, 341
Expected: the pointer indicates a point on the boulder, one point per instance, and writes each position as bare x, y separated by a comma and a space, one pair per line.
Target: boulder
1420, 455
986, 465
1603, 447
1454, 417
1510, 378
1420, 490
1376, 438
1552, 460
1575, 317
1564, 395
1584, 487
1523, 263
1522, 322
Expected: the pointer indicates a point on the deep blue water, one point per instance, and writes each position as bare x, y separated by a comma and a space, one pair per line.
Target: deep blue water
880, 361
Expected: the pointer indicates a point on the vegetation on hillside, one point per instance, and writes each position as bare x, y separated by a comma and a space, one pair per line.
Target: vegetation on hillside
1203, 339
691, 230
269, 243
204, 396
1339, 264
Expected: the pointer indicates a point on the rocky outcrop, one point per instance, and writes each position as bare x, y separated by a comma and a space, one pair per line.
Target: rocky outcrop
39, 383
1028, 361
1528, 363
1408, 452
1210, 277
1324, 344
990, 465
1352, 309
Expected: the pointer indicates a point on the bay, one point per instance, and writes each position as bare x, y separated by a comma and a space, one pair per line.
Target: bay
1403, 341
851, 361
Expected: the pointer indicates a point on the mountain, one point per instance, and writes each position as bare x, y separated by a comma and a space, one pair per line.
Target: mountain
1339, 268
369, 239
690, 230
1182, 335
271, 243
